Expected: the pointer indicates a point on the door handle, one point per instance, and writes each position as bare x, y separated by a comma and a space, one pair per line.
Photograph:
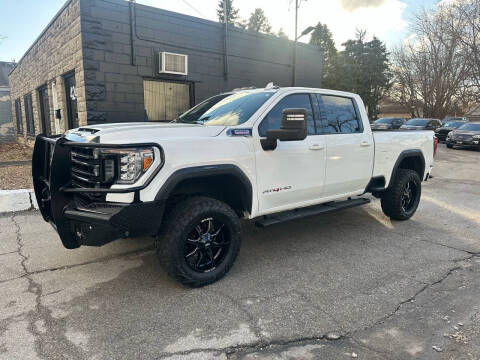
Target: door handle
364, 143
316, 147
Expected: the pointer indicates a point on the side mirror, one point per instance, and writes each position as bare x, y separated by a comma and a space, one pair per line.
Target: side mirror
293, 128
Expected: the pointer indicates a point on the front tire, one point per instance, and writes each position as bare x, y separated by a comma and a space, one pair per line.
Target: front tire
449, 146
199, 241
400, 201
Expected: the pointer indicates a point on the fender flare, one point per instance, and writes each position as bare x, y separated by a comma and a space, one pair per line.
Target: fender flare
413, 153
206, 171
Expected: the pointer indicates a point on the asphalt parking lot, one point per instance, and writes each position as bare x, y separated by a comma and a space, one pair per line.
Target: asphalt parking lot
347, 285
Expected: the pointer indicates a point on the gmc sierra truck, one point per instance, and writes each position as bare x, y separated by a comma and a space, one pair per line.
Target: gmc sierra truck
272, 155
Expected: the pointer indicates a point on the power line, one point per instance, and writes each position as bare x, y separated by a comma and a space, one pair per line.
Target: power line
195, 9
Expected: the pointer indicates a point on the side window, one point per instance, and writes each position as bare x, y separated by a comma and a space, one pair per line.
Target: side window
273, 120
337, 115
18, 116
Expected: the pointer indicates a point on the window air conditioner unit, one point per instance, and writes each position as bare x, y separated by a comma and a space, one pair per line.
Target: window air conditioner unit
171, 63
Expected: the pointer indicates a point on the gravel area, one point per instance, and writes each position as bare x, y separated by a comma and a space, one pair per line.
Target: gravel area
16, 177
15, 152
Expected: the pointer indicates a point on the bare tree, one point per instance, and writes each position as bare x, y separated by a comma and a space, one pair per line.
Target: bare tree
431, 70
465, 25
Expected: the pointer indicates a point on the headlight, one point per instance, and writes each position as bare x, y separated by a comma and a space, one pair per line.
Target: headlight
476, 137
449, 134
437, 130
128, 164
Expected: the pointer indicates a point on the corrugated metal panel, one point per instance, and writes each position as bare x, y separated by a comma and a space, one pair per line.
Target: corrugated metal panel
164, 101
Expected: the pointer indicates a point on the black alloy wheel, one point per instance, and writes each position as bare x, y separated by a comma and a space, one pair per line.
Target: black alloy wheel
401, 199
199, 240
409, 196
206, 245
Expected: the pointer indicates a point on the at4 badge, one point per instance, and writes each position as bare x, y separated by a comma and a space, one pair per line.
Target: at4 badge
275, 190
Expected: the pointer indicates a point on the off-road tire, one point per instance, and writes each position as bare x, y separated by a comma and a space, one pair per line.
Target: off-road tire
171, 239
391, 200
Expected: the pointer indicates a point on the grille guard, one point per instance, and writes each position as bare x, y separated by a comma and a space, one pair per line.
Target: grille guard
51, 172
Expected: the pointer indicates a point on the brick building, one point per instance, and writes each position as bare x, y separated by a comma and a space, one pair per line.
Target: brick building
114, 61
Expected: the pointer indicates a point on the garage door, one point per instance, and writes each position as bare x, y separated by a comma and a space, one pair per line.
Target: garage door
164, 101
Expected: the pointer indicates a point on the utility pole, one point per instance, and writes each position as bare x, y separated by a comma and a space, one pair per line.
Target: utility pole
294, 65
308, 30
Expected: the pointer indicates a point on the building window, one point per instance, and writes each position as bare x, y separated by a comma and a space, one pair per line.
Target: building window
27, 99
18, 116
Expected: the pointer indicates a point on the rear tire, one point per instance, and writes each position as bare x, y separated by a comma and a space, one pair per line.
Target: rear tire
199, 241
400, 201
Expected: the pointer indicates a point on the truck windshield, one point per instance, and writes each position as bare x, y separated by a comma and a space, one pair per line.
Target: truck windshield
234, 109
470, 127
417, 122
194, 113
453, 124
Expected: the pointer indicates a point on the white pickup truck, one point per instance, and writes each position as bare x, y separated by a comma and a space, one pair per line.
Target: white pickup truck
271, 155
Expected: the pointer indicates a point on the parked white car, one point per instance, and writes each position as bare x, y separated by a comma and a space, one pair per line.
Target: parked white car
271, 155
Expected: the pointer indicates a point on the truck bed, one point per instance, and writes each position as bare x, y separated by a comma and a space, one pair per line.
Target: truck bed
390, 143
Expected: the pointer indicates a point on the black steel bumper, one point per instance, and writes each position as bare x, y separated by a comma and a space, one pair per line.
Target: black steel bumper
78, 219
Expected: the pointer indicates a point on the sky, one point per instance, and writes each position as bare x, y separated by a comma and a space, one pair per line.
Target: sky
21, 21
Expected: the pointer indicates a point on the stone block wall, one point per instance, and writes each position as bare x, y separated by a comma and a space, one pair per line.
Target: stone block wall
57, 51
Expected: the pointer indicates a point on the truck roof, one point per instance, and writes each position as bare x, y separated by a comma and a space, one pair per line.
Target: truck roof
291, 88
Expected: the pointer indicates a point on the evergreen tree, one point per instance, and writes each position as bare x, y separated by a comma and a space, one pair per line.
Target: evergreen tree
281, 34
363, 67
232, 12
259, 22
322, 37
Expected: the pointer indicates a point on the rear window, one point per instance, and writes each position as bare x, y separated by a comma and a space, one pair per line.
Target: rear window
417, 122
384, 121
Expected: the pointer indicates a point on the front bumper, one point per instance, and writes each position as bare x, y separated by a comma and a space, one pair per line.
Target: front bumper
77, 218
441, 136
464, 142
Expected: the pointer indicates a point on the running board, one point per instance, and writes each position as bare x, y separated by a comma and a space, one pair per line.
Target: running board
281, 217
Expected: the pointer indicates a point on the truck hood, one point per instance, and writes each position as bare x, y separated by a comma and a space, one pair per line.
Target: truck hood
117, 133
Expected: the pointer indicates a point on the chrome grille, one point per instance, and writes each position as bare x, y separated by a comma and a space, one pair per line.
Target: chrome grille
85, 168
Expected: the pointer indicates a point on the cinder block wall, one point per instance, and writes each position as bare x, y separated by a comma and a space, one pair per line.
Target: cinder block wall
57, 51
95, 38
114, 76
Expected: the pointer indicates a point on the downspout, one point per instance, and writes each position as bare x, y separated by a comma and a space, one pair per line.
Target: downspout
225, 43
132, 55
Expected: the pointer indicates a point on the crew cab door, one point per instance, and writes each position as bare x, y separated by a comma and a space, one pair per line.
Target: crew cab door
350, 147
294, 172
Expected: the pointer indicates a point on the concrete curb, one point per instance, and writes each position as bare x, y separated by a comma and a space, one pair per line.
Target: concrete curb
17, 200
